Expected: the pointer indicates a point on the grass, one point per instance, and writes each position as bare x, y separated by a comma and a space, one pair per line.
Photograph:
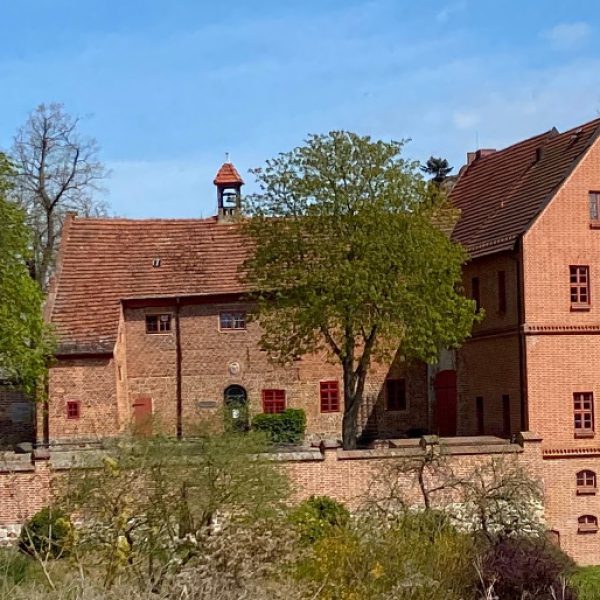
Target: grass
586, 581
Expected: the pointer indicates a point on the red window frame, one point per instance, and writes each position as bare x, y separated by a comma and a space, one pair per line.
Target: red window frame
587, 524
594, 205
273, 401
329, 392
501, 292
579, 281
586, 482
476, 292
158, 323
232, 320
395, 395
583, 414
73, 409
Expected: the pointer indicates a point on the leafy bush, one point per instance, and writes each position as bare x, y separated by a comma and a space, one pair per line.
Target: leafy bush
314, 517
286, 427
48, 533
526, 567
14, 568
414, 557
586, 581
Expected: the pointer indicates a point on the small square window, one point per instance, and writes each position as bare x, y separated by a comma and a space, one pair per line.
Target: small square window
158, 323
586, 482
273, 401
587, 524
73, 409
395, 392
330, 396
232, 320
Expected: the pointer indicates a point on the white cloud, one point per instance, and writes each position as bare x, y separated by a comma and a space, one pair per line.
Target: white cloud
443, 16
567, 35
465, 119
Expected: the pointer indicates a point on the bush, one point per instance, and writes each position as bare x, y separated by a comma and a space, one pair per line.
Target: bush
526, 567
48, 533
586, 581
14, 568
413, 557
314, 517
286, 427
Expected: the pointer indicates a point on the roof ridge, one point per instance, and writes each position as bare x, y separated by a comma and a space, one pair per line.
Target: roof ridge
111, 220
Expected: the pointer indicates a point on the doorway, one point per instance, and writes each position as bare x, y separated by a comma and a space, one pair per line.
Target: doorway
236, 408
445, 402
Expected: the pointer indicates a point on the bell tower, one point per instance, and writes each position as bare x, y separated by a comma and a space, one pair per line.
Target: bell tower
229, 190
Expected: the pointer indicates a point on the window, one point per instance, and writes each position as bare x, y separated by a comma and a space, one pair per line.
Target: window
501, 291
330, 396
583, 412
158, 323
273, 401
580, 286
73, 411
586, 482
475, 293
587, 524
395, 392
480, 416
232, 320
594, 208
506, 415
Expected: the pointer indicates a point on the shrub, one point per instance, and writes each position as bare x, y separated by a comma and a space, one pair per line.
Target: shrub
586, 580
48, 533
526, 567
286, 427
14, 568
314, 517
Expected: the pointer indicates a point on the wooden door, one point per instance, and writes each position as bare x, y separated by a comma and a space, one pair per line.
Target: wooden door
445, 401
142, 415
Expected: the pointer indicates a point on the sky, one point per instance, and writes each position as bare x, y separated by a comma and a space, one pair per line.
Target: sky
168, 87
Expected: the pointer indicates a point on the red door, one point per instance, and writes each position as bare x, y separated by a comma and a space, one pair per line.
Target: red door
445, 401
142, 415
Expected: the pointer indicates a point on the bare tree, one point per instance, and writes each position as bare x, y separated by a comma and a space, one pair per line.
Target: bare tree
57, 171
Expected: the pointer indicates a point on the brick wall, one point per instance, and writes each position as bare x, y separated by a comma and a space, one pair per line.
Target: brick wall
91, 382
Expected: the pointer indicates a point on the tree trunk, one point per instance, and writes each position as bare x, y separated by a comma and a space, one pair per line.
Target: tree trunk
352, 402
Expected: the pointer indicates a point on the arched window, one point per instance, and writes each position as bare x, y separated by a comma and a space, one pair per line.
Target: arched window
587, 524
236, 407
586, 482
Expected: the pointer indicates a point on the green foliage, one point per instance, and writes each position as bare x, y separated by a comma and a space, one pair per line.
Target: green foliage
314, 518
586, 582
157, 503
286, 427
416, 557
353, 255
24, 343
15, 568
49, 533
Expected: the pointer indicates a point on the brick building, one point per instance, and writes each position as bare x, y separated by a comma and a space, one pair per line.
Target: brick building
530, 219
151, 320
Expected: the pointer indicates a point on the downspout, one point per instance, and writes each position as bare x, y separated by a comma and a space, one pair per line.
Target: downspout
178, 370
522, 343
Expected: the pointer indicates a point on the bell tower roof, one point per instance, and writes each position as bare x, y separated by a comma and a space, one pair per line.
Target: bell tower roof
228, 175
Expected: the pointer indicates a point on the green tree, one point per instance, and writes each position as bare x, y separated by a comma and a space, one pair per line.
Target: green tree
352, 256
24, 344
438, 168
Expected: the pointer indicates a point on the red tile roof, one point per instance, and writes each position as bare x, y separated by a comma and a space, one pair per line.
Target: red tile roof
500, 194
103, 261
228, 174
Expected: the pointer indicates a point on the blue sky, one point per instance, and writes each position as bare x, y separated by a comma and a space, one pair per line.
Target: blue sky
167, 87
